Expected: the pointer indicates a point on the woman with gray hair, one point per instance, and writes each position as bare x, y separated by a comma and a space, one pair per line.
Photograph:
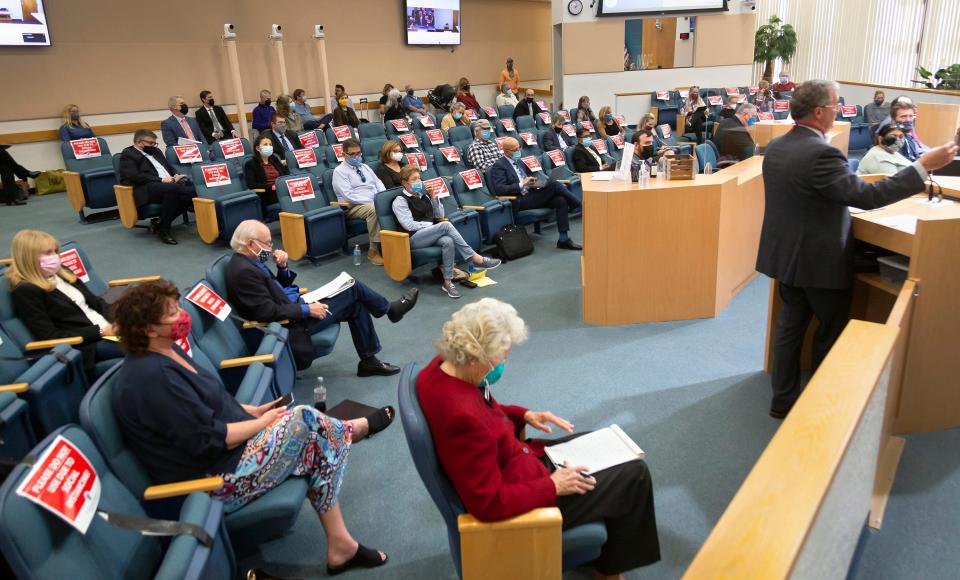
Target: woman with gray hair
456, 116
498, 475
392, 108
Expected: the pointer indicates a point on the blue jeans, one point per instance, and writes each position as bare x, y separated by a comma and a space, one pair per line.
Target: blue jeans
357, 306
451, 243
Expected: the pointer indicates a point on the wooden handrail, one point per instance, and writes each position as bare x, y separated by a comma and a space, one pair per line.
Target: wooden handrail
897, 88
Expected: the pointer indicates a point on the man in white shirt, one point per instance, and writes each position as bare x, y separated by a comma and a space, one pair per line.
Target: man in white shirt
356, 184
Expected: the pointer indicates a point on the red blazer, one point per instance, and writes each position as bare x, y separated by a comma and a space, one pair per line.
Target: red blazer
496, 475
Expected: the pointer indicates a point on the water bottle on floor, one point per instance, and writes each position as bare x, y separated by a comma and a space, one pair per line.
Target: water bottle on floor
356, 255
320, 396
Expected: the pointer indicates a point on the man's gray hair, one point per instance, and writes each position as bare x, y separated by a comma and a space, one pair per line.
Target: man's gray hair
246, 231
172, 101
810, 95
746, 109
141, 134
481, 124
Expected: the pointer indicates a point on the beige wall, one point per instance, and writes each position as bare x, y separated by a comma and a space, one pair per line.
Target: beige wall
110, 56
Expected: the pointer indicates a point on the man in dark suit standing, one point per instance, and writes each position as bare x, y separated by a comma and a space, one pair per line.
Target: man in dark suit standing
259, 294
806, 243
155, 181
213, 122
178, 124
511, 177
734, 142
283, 139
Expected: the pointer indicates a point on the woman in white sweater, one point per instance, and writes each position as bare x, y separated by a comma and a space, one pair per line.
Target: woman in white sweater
884, 157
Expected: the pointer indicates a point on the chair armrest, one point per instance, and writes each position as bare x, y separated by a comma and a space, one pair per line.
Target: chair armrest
71, 179
293, 234
475, 207
247, 361
255, 324
14, 388
303, 291
44, 344
395, 247
259, 190
526, 546
340, 203
129, 281
182, 488
540, 517
507, 197
6, 261
126, 205
206, 216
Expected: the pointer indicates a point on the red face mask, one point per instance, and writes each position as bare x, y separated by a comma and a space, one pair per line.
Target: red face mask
181, 328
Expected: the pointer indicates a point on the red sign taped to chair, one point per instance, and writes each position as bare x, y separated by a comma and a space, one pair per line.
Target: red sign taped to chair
542, 105
231, 148
417, 159
451, 154
600, 145
400, 125
754, 89
569, 130
305, 158
409, 140
71, 261
184, 344
472, 179
216, 175
490, 111
556, 156
342, 133
715, 100
732, 91
500, 141
300, 188
437, 183
337, 149
528, 138
86, 148
765, 116
847, 111
63, 482
621, 120
588, 126
188, 153
683, 93
532, 163
435, 136
665, 129
471, 115
204, 297
426, 121
780, 106
508, 124
617, 140
564, 114
309, 139
663, 95
545, 117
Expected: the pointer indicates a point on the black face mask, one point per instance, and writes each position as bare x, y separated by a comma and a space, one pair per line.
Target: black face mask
267, 103
74, 116
184, 108
878, 102
466, 88
210, 103
557, 129
648, 151
152, 150
528, 99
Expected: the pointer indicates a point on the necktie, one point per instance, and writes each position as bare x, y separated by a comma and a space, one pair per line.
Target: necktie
286, 142
186, 128
216, 122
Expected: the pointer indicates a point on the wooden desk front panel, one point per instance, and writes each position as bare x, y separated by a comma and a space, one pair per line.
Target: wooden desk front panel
741, 218
766, 131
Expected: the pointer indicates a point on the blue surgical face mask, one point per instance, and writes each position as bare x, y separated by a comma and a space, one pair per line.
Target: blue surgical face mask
355, 161
608, 117
266, 151
493, 376
586, 141
485, 134
416, 187
752, 120
516, 156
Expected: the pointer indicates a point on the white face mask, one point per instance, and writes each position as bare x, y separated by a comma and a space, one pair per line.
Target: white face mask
396, 156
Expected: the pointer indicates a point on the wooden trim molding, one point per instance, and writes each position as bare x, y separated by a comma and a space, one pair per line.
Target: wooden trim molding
898, 88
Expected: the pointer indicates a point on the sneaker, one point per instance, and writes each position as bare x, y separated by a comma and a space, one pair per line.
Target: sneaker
490, 263
451, 290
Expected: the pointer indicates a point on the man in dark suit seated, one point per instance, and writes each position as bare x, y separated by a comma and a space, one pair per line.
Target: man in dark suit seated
259, 294
733, 140
155, 181
586, 158
213, 122
556, 138
179, 125
527, 106
283, 139
511, 177
806, 243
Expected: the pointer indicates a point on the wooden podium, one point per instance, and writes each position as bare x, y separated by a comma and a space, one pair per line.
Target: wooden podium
937, 123
763, 132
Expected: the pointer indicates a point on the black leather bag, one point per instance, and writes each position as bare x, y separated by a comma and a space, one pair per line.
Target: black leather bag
513, 242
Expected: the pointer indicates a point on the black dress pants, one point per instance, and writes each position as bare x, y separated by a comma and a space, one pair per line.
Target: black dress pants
555, 195
10, 171
800, 304
174, 199
697, 123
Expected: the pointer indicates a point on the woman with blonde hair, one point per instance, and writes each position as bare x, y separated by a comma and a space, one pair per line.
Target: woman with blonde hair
608, 126
391, 156
294, 120
499, 476
466, 97
73, 126
53, 303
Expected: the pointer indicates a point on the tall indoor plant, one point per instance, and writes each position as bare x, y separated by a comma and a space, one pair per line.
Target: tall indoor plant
774, 40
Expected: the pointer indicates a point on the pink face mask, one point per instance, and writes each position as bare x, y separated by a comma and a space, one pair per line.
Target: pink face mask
181, 328
49, 264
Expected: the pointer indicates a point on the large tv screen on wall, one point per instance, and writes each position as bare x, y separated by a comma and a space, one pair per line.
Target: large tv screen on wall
23, 23
658, 7
432, 22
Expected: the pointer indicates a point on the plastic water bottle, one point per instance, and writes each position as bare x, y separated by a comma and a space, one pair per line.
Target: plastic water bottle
356, 255
708, 169
644, 175
320, 396
666, 168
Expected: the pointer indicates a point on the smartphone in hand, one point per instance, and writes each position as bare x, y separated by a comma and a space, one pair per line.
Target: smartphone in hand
284, 401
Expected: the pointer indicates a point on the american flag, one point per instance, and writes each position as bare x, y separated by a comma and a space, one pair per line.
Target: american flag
626, 57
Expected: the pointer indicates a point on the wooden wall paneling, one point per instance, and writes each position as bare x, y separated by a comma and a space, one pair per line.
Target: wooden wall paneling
724, 39
593, 47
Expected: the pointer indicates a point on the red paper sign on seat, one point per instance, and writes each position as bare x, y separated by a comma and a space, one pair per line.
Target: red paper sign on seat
64, 482
188, 153
231, 148
204, 297
216, 175
305, 158
86, 148
300, 189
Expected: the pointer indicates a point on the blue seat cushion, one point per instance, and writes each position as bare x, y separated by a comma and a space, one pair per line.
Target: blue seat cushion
324, 340
269, 516
582, 544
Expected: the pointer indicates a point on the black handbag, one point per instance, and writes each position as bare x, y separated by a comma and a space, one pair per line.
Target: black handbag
513, 242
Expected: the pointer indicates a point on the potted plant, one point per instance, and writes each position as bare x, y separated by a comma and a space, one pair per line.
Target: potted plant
774, 41
947, 78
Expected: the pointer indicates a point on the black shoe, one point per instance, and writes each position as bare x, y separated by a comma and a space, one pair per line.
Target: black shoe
33, 174
154, 225
398, 308
568, 245
373, 366
166, 238
17, 202
779, 414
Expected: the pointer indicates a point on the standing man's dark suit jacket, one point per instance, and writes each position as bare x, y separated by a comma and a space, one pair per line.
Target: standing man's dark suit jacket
206, 123
256, 296
733, 140
136, 170
551, 140
172, 130
278, 148
806, 238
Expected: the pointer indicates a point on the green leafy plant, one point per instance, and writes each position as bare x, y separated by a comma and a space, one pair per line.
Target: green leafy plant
774, 40
947, 78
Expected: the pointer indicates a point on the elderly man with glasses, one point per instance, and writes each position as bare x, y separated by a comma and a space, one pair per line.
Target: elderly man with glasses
357, 185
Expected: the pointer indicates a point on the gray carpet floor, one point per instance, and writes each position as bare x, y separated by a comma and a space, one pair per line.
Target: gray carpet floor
691, 393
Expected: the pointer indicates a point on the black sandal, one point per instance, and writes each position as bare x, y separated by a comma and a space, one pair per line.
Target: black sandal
364, 558
377, 422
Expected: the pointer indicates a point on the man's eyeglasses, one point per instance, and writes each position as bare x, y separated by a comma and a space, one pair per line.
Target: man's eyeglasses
268, 244
149, 143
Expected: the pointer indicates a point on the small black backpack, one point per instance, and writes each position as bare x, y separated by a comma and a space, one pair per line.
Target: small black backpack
513, 242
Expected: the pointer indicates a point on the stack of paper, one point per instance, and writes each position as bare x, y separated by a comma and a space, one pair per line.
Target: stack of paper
339, 284
596, 451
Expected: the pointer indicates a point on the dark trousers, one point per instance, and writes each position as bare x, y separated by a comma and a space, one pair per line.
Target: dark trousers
311, 125
832, 309
555, 195
697, 123
10, 171
357, 306
174, 199
623, 501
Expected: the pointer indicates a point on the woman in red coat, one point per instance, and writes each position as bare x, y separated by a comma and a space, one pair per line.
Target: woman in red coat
497, 475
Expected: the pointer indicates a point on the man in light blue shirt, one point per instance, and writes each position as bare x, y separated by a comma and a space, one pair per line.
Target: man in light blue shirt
303, 109
357, 185
412, 104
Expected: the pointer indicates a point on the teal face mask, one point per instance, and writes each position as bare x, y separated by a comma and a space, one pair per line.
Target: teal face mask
492, 376
516, 156
587, 141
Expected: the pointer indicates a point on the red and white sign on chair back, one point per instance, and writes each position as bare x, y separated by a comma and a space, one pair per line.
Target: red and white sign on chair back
300, 188
490, 111
532, 163
472, 179
216, 175
342, 133
437, 183
86, 148
309, 139
231, 148
337, 149
508, 124
781, 106
188, 154
665, 130
417, 159
847, 111
204, 297
71, 261
600, 145
64, 482
306, 158
557, 157
451, 154
435, 136
400, 125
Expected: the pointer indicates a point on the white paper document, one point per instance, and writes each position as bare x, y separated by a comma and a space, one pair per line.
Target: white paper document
903, 222
602, 175
855, 209
596, 451
339, 284
185, 141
